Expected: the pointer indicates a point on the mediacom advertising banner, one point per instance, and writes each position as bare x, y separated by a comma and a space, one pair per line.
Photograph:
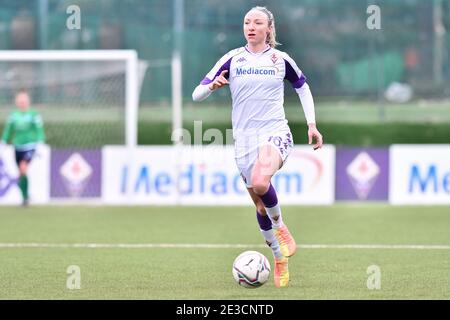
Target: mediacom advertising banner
207, 175
362, 174
38, 177
419, 174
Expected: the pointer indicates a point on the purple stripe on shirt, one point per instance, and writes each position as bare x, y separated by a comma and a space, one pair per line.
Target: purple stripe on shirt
225, 66
292, 76
206, 81
299, 83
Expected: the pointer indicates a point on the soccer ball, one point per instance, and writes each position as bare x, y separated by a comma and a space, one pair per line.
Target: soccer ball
251, 269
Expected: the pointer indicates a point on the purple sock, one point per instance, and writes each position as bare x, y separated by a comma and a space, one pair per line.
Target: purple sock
270, 197
264, 222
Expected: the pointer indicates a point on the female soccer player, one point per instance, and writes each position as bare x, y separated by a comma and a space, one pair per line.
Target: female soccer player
262, 137
24, 127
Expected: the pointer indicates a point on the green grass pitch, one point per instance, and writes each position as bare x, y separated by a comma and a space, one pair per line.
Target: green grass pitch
205, 273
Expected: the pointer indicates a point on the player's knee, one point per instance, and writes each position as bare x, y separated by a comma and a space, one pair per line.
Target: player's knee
260, 186
23, 168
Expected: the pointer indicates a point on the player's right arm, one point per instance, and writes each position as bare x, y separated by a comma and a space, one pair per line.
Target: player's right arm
7, 132
216, 78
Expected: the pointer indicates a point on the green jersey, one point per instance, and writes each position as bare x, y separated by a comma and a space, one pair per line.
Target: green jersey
25, 128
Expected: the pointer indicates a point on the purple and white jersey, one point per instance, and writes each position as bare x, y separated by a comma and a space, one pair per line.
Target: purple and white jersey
257, 88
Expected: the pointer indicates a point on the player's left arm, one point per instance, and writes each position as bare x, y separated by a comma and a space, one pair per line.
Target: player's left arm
298, 80
39, 125
307, 101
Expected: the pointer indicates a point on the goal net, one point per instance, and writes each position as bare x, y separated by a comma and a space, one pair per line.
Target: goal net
87, 99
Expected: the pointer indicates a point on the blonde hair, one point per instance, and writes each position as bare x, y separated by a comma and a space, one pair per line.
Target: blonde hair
271, 37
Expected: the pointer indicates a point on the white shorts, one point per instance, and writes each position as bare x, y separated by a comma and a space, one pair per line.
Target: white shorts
246, 150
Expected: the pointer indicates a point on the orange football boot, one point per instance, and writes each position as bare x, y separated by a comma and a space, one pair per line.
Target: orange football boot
286, 241
281, 272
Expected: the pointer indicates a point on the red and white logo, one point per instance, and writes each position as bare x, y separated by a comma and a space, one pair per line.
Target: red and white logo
76, 172
274, 58
363, 171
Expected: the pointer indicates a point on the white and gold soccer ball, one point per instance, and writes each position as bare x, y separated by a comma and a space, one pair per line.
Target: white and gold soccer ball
251, 269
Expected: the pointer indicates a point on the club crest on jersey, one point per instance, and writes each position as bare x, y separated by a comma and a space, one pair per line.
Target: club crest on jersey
274, 58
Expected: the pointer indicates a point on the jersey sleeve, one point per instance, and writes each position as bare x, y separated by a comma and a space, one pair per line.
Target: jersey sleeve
293, 73
7, 131
307, 101
298, 80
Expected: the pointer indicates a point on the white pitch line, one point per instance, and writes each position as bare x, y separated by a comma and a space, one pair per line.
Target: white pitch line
217, 246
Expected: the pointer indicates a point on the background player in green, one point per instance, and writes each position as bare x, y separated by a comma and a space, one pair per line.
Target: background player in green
24, 128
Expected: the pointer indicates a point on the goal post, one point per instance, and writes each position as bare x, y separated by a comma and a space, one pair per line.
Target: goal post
86, 74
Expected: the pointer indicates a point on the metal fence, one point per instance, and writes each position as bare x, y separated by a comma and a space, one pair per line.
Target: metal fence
329, 39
